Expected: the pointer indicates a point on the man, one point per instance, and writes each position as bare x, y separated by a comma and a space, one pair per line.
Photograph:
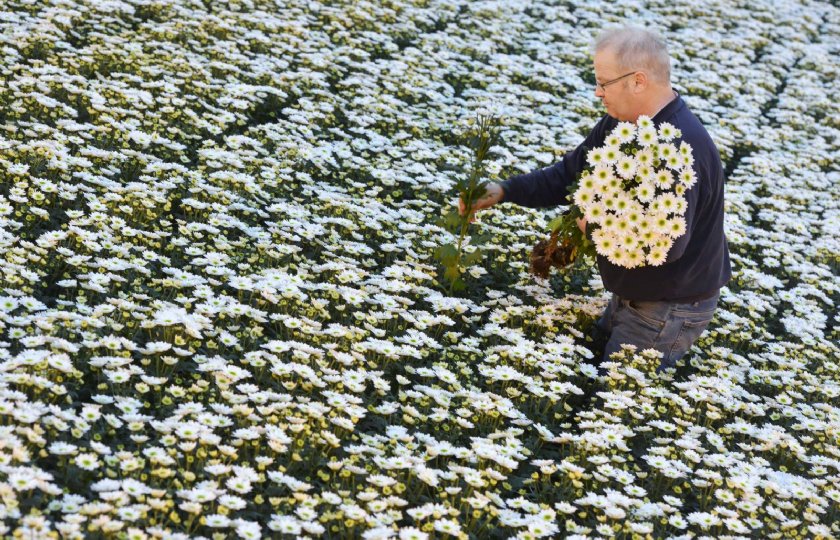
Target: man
664, 307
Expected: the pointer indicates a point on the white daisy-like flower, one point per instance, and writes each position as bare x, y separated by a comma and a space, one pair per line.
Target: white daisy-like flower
584, 198
612, 153
688, 177
604, 241
625, 131
644, 121
656, 257
595, 213
645, 192
596, 157
663, 179
645, 173
626, 166
602, 175
646, 136
677, 227
613, 140
667, 131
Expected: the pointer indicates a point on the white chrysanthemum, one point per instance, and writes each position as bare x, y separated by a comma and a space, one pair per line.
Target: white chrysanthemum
584, 197
613, 140
667, 202
667, 131
674, 162
677, 227
612, 153
645, 192
644, 224
595, 213
660, 222
602, 174
622, 225
656, 257
622, 202
617, 256
646, 156
629, 240
626, 167
604, 241
680, 205
87, 461
663, 179
609, 221
625, 131
645, 173
587, 181
634, 258
596, 157
605, 190
646, 234
664, 151
633, 213
646, 136
644, 121
688, 177
665, 243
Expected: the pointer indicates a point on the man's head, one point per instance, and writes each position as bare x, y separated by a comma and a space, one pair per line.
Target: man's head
632, 72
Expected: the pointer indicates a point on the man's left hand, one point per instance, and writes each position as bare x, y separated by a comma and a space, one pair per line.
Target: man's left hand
581, 223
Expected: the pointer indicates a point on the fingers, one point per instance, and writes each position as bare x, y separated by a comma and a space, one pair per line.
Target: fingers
480, 204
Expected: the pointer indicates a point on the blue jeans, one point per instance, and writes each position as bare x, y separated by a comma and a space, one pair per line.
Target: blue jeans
669, 327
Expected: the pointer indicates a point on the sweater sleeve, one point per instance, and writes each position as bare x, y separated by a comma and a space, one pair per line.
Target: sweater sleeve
550, 186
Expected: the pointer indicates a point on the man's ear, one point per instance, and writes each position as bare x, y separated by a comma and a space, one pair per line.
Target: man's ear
641, 80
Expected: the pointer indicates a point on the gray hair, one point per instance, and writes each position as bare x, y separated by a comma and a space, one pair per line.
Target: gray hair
637, 48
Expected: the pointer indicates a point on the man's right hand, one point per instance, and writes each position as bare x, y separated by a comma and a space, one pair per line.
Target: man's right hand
494, 194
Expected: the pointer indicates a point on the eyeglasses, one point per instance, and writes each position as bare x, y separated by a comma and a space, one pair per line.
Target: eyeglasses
603, 86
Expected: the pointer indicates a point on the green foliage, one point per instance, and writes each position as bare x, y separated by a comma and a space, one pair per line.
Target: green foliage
483, 135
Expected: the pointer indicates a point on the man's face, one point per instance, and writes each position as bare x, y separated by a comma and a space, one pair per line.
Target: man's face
618, 97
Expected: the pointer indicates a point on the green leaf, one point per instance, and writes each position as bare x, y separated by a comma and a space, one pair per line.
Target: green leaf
555, 223
472, 258
447, 254
459, 285
480, 190
452, 273
452, 221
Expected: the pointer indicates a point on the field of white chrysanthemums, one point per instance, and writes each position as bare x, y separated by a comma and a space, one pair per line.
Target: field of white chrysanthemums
221, 315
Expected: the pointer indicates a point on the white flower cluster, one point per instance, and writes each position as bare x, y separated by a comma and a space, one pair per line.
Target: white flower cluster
634, 192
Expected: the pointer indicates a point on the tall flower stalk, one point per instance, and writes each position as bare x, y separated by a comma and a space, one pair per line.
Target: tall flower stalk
455, 258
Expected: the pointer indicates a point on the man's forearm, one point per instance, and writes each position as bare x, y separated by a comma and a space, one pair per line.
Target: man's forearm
537, 189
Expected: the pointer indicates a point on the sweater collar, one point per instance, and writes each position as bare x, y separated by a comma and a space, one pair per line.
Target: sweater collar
669, 109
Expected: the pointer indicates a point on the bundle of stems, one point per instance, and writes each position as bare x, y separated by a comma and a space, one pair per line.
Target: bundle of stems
566, 245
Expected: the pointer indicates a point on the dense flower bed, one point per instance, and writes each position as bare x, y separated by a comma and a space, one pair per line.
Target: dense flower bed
221, 314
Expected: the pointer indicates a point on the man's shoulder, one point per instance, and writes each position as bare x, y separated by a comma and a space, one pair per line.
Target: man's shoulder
601, 129
687, 122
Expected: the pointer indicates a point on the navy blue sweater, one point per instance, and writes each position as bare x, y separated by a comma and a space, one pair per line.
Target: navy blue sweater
698, 263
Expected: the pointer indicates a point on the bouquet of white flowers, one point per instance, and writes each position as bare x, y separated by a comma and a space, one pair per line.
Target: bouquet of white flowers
632, 196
